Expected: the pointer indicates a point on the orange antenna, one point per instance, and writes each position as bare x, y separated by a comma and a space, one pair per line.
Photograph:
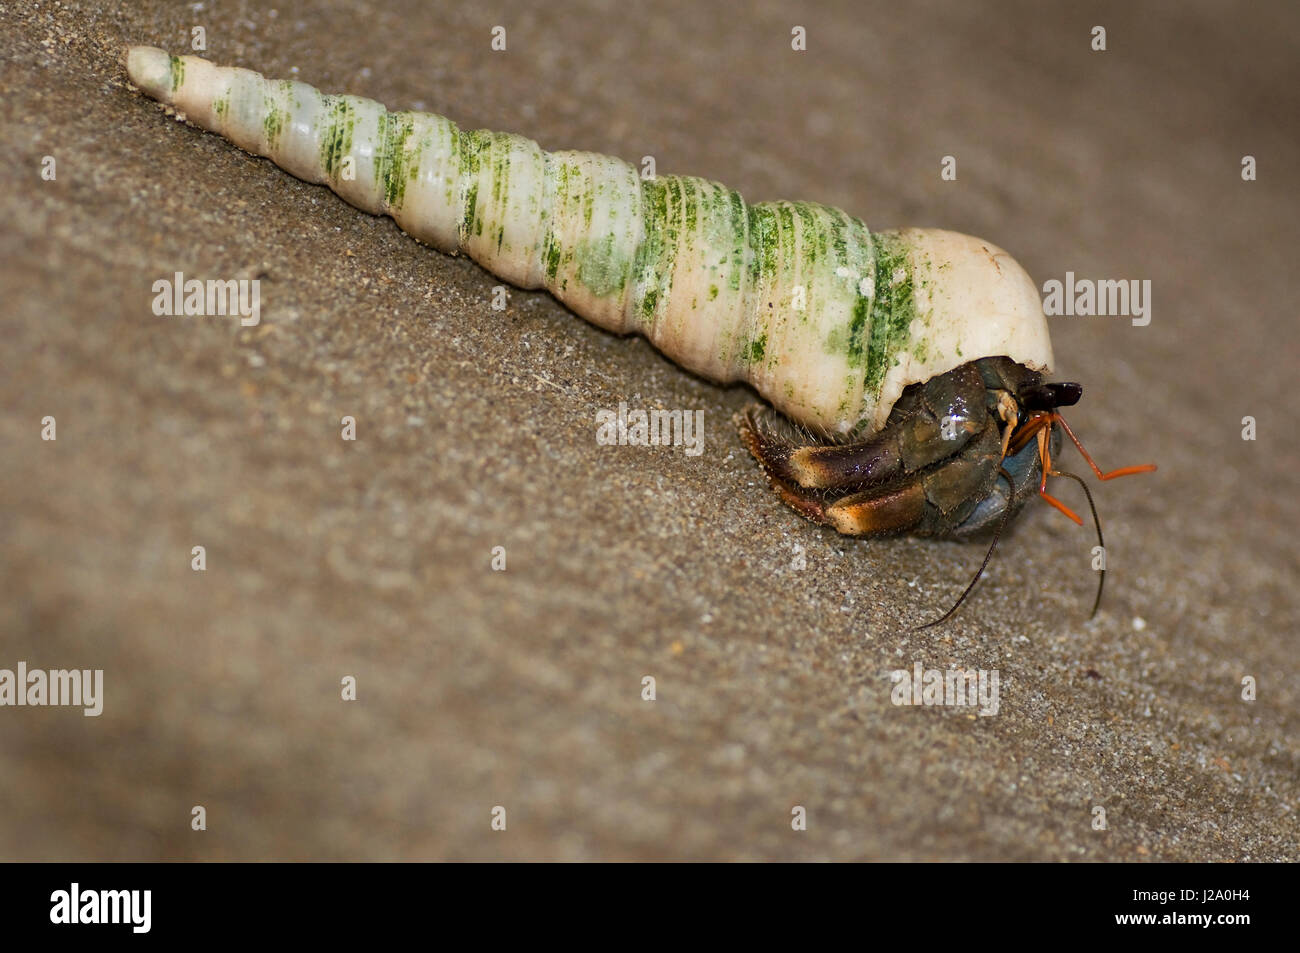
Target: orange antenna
1122, 471
1039, 426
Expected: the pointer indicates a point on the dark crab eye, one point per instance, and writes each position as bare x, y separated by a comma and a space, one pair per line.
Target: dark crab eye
1050, 396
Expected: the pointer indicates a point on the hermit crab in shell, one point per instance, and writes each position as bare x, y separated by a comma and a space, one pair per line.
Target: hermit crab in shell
904, 368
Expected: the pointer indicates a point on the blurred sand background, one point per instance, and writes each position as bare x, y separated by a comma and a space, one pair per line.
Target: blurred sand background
477, 429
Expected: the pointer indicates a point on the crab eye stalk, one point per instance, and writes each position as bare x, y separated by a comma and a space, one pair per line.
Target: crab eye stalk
1051, 396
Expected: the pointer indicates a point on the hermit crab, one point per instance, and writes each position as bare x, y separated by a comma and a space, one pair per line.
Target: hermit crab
904, 368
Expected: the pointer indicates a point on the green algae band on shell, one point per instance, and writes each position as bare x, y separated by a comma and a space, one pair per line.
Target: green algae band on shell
827, 320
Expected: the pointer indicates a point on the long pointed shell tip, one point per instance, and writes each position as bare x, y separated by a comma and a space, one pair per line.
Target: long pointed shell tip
151, 69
